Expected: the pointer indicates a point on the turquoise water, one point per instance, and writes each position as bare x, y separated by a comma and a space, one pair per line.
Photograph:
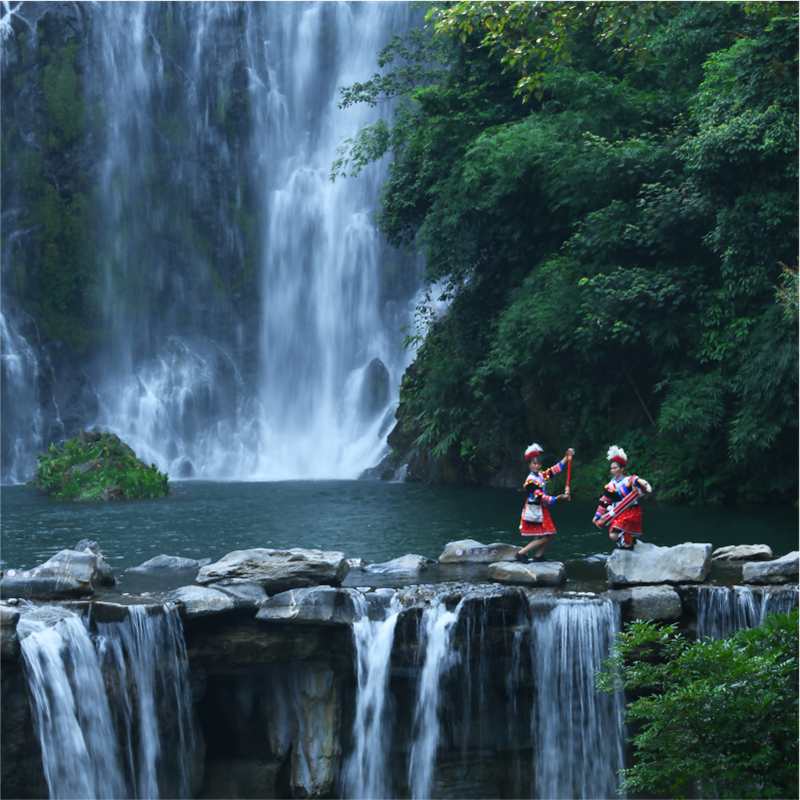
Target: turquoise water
373, 520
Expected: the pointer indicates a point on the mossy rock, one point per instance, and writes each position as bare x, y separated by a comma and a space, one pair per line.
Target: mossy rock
97, 465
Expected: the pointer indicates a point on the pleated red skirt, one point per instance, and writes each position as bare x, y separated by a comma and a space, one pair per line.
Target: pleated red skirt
545, 528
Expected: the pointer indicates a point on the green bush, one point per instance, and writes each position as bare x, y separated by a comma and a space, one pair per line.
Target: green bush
92, 462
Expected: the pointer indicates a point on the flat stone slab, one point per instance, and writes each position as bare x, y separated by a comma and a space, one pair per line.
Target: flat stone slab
200, 601
407, 563
472, 552
781, 570
512, 572
648, 563
277, 570
743, 552
172, 563
315, 605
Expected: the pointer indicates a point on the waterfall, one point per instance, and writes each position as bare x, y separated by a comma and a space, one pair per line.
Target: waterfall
436, 630
498, 709
365, 773
577, 730
251, 314
723, 610
91, 745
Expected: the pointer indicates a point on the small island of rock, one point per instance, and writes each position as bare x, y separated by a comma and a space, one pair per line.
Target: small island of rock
97, 465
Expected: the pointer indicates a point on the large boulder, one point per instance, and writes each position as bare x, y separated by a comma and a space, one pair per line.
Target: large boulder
648, 563
277, 570
532, 574
743, 552
318, 605
470, 551
67, 574
781, 570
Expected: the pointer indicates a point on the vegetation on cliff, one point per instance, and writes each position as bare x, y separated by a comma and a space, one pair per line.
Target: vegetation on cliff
718, 718
617, 254
97, 466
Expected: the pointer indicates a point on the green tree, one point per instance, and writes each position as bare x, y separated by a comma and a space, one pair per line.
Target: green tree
715, 717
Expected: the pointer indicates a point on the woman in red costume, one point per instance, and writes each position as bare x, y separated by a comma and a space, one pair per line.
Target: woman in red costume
626, 526
536, 521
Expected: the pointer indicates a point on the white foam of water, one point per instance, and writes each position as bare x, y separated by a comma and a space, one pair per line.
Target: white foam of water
436, 631
365, 773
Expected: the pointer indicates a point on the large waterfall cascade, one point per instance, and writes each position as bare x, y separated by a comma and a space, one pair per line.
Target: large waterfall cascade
252, 315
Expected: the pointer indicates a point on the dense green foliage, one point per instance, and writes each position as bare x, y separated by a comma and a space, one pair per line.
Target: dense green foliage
618, 252
91, 463
715, 717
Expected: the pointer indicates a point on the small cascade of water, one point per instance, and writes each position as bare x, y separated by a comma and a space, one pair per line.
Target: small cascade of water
723, 610
365, 773
499, 709
70, 708
436, 630
144, 657
133, 736
577, 730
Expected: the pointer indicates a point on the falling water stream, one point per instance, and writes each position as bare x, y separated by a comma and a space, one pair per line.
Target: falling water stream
268, 345
137, 737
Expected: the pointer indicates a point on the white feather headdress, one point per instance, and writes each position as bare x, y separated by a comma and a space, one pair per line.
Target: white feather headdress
533, 450
616, 453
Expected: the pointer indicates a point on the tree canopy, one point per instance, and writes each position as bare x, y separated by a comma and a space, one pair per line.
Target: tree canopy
605, 195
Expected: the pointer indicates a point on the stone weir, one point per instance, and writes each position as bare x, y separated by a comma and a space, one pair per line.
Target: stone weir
300, 674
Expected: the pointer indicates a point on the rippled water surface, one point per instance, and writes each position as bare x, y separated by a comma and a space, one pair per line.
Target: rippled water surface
372, 520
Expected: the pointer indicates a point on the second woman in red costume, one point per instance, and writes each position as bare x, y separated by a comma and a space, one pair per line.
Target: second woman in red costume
619, 506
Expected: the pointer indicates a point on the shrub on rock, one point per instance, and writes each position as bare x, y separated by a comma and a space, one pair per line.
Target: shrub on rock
96, 465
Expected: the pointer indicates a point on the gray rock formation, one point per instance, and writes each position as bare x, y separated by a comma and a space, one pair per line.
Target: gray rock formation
200, 601
781, 570
67, 574
648, 563
165, 562
743, 552
406, 564
470, 551
321, 605
277, 570
661, 603
510, 572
